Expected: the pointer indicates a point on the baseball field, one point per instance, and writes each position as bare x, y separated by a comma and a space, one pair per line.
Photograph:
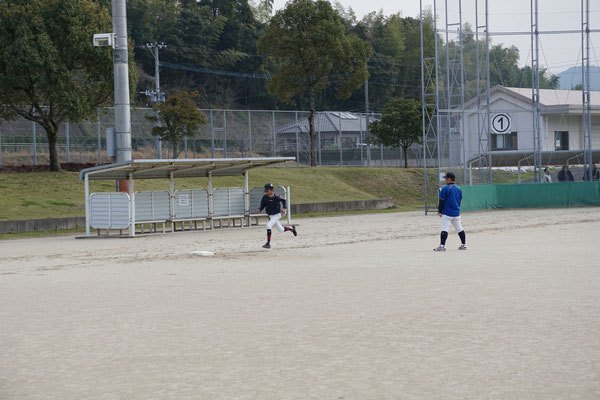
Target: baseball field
355, 307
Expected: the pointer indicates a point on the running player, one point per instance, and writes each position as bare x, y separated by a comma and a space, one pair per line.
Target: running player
449, 210
271, 202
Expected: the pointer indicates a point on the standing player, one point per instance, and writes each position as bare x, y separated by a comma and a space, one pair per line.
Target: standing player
449, 210
271, 201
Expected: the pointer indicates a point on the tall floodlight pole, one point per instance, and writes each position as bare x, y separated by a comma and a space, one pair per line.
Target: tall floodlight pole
425, 120
433, 198
585, 90
478, 90
484, 137
487, 92
462, 95
430, 90
535, 90
121, 78
448, 113
453, 104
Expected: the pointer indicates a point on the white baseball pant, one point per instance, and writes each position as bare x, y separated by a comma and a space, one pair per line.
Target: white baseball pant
446, 221
274, 221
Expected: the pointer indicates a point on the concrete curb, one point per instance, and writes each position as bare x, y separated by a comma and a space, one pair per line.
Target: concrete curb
50, 224
41, 225
355, 205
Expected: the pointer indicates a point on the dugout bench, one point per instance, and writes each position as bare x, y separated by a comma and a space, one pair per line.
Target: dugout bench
165, 211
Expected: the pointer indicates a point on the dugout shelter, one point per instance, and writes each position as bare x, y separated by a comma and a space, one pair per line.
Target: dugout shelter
185, 208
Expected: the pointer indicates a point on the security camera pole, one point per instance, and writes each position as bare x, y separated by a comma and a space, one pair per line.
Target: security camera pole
121, 71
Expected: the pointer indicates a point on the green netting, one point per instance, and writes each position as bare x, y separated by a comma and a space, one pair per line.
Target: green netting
531, 195
479, 197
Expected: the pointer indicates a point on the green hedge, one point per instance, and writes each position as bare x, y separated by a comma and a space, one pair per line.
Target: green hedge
531, 195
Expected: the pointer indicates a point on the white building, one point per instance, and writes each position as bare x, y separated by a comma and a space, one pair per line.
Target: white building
512, 117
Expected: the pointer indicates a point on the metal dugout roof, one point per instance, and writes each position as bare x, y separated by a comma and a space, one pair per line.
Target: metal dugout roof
181, 168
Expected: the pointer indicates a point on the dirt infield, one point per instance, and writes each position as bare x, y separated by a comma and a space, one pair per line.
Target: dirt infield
355, 307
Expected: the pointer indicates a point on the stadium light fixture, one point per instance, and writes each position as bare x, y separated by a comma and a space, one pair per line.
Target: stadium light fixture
105, 39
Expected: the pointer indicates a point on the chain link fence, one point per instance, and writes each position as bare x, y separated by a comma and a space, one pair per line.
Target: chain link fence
342, 139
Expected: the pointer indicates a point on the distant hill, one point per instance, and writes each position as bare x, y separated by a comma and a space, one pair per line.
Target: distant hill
572, 77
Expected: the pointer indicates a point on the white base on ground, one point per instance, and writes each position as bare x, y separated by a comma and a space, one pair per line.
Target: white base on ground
202, 253
355, 307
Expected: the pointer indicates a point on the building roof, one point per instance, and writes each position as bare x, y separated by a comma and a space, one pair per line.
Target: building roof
181, 168
329, 122
550, 99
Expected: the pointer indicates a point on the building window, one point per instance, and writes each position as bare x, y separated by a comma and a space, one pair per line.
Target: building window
290, 144
350, 142
328, 144
504, 141
561, 140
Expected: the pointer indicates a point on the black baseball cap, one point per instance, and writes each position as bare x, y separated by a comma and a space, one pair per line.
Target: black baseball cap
450, 175
269, 186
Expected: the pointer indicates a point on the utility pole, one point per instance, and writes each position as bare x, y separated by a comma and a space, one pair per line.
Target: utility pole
121, 78
155, 95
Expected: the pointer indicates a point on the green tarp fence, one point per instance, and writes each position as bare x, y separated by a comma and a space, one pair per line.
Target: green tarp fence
531, 195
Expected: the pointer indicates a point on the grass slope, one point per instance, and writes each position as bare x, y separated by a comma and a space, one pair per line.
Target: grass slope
51, 194
60, 194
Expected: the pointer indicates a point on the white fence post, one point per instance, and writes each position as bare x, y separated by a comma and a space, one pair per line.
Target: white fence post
87, 204
131, 207
249, 133
297, 142
273, 134
99, 134
289, 207
172, 201
246, 199
67, 134
211, 205
34, 135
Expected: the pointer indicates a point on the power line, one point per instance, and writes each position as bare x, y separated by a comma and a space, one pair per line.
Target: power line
214, 72
245, 54
250, 75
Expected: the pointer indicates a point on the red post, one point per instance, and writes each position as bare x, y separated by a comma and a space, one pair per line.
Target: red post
124, 186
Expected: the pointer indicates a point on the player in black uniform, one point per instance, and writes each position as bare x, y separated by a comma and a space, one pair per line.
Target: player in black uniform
272, 202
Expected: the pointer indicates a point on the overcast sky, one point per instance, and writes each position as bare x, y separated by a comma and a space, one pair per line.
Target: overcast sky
559, 52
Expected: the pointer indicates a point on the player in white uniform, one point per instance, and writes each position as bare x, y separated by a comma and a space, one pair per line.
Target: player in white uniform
271, 202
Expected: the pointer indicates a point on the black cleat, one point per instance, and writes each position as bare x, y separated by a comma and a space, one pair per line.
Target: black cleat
267, 245
294, 230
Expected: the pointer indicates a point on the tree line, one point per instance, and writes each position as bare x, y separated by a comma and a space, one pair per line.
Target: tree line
224, 35
229, 53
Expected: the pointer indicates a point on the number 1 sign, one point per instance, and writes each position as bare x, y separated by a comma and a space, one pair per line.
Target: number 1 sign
501, 123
